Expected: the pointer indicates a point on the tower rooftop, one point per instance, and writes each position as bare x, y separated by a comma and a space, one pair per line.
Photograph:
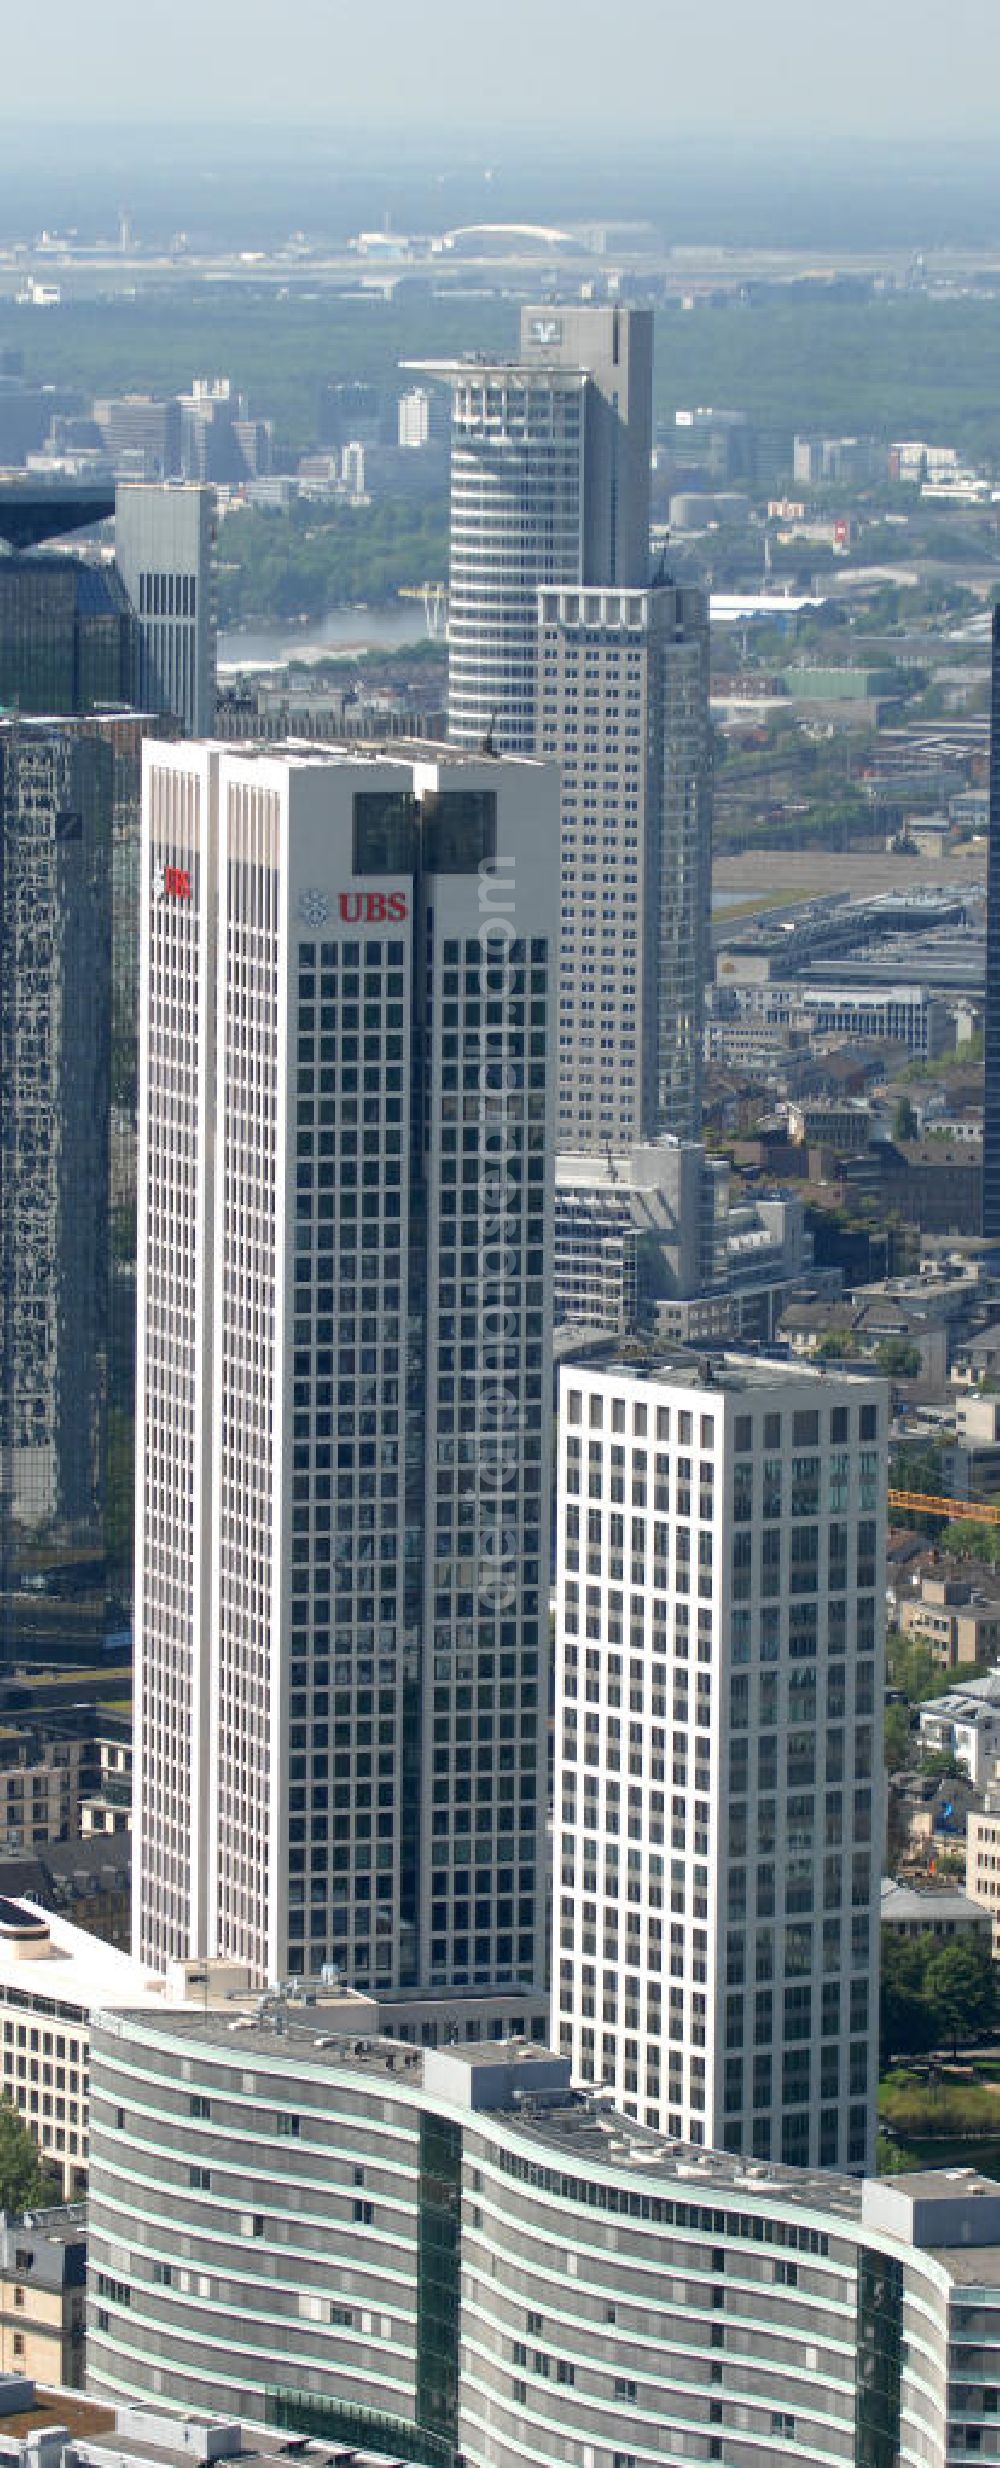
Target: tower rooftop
34, 511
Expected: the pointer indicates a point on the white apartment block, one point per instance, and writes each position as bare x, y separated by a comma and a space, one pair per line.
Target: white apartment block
348, 975
718, 1767
623, 704
165, 553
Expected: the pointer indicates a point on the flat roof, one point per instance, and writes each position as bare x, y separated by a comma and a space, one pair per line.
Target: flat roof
701, 1368
79, 1970
907, 1902
252, 2442
31, 512
79, 2415
576, 2127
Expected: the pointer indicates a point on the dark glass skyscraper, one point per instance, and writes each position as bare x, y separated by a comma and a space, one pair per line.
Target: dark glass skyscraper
56, 797
69, 641
991, 1101
70, 739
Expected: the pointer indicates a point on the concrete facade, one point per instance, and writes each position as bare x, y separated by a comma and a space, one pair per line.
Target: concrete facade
720, 1628
432, 2258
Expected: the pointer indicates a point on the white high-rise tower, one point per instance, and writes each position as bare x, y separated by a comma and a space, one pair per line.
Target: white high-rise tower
720, 1636
165, 553
549, 485
623, 705
559, 643
348, 980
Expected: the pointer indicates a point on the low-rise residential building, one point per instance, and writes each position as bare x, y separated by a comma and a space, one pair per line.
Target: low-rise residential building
40, 1783
977, 1364
953, 1610
452, 2255
972, 1464
942, 1912
88, 1883
43, 2278
965, 1724
865, 1326
830, 1122
982, 1860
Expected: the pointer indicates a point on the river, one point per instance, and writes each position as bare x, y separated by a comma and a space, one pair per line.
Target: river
341, 630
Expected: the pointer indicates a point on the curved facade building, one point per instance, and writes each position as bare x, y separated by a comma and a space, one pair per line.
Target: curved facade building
549, 485
516, 522
449, 2256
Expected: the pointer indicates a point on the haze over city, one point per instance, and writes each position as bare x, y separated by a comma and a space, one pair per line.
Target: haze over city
499, 1237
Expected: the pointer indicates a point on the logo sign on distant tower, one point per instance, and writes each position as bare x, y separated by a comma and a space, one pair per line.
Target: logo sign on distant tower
547, 330
171, 883
372, 907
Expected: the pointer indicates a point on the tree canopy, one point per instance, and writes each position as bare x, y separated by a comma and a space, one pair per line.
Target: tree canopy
932, 1992
24, 2176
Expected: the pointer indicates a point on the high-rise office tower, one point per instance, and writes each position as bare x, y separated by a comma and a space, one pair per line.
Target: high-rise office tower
557, 644
549, 484
69, 653
623, 702
718, 1780
165, 554
55, 969
991, 1016
348, 980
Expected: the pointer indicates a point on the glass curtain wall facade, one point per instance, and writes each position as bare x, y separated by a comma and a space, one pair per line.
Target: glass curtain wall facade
68, 640
56, 796
991, 1111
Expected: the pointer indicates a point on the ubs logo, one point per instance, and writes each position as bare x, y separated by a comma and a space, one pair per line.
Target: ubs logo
171, 883
372, 907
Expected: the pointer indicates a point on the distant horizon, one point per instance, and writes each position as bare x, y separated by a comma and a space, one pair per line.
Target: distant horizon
540, 71
497, 135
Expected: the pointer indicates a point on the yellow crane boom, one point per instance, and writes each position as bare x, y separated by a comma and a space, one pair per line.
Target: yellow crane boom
934, 1507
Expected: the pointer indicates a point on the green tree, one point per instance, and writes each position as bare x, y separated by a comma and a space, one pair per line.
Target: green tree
24, 2178
958, 1986
968, 1539
904, 1124
940, 1765
897, 1737
898, 1357
906, 2025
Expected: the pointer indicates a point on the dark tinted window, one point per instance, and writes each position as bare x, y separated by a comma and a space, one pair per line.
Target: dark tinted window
459, 830
385, 832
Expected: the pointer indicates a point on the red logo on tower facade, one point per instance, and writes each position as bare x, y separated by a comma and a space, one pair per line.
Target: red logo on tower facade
172, 883
372, 907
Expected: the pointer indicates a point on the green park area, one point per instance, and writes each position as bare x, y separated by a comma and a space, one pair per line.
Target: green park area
937, 2109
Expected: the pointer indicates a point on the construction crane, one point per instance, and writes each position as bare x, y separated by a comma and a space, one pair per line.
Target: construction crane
931, 1506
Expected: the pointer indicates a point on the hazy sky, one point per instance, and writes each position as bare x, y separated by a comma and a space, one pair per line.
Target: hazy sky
865, 66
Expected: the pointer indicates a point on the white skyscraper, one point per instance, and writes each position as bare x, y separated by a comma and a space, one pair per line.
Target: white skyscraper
549, 485
623, 705
165, 554
348, 980
718, 1781
559, 644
